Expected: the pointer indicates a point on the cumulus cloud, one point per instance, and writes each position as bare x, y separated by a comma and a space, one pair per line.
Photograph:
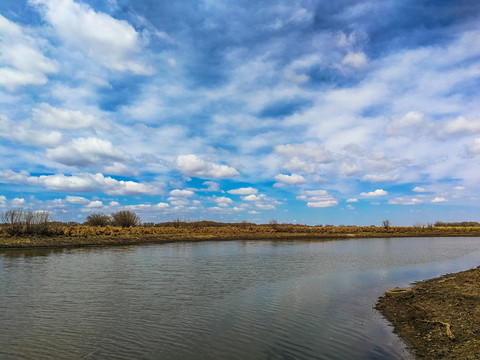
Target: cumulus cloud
405, 201
352, 200
113, 43
410, 125
304, 157
77, 200
379, 177
355, 59
84, 182
65, 119
143, 207
439, 200
94, 204
3, 201
253, 197
376, 193
181, 193
192, 165
293, 179
223, 201
461, 125
243, 191
22, 59
85, 151
16, 202
318, 198
23, 132
419, 189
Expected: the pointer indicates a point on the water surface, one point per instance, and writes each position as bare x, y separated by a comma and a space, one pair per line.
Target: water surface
212, 300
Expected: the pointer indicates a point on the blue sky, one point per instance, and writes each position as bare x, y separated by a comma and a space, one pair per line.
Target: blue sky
316, 112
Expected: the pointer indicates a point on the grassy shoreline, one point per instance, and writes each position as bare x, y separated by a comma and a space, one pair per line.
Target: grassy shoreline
438, 319
80, 235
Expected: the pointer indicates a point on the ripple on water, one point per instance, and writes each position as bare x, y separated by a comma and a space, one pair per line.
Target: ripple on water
233, 300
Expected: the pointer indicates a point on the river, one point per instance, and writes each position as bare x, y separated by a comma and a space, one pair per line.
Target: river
215, 300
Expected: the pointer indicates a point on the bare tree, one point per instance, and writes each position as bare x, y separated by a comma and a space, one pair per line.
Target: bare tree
125, 218
20, 222
386, 224
98, 220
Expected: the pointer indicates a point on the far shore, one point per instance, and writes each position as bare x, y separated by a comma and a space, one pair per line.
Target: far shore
81, 235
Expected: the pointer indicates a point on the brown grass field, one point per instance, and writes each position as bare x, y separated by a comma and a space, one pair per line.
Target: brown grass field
82, 235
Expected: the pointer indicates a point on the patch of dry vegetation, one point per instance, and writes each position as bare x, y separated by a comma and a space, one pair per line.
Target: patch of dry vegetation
82, 235
440, 320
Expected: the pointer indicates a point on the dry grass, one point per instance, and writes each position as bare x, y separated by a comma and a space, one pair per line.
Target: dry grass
82, 235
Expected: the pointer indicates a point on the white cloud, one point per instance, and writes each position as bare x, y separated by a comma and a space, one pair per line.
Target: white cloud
379, 178
459, 188
181, 193
17, 202
192, 165
243, 191
113, 43
94, 204
3, 201
253, 197
262, 206
59, 118
76, 200
293, 179
405, 201
376, 193
355, 59
113, 203
353, 200
439, 200
304, 157
318, 198
211, 186
22, 61
24, 132
118, 169
410, 125
460, 125
223, 201
419, 189
85, 151
143, 207
83, 182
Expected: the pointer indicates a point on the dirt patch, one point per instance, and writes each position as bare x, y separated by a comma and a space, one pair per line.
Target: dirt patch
440, 319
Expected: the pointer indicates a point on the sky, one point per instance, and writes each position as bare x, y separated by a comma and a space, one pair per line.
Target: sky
309, 112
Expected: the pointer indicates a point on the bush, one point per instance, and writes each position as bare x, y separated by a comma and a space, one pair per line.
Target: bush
386, 224
98, 220
20, 222
125, 218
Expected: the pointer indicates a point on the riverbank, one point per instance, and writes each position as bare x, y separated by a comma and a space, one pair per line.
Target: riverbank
439, 318
80, 235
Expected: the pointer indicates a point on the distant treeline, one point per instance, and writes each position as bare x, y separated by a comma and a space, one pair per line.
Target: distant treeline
457, 224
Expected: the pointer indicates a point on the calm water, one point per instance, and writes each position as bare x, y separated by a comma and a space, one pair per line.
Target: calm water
218, 300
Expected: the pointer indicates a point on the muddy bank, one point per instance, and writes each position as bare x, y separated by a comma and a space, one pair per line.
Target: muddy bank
440, 319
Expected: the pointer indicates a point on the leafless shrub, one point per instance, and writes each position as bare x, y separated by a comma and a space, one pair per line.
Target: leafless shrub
98, 220
125, 218
21, 222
